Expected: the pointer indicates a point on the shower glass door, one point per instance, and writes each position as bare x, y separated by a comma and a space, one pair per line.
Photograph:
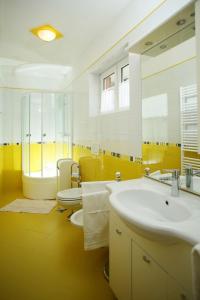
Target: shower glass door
26, 134
44, 134
48, 135
59, 128
67, 142
35, 134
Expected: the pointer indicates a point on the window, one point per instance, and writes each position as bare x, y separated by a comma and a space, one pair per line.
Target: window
108, 94
115, 88
124, 87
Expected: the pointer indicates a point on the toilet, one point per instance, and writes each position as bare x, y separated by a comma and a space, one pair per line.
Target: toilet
77, 218
70, 197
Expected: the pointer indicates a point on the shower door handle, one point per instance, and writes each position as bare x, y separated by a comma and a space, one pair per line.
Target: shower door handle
44, 134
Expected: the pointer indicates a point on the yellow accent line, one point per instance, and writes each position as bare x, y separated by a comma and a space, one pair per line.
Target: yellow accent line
100, 57
119, 40
170, 67
31, 90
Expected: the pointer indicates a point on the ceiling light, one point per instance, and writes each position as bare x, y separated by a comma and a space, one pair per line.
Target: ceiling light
46, 33
163, 46
180, 22
148, 43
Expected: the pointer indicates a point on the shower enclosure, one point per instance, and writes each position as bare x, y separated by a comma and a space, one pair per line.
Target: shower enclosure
46, 137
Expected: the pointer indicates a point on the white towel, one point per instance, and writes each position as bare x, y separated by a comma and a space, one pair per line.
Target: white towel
64, 178
95, 219
196, 271
94, 186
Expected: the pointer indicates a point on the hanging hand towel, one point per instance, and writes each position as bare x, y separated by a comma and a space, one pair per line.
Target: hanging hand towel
94, 186
95, 219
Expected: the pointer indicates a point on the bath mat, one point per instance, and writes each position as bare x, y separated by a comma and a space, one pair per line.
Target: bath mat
30, 206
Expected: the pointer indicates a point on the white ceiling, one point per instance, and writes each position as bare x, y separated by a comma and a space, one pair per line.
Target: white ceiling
80, 21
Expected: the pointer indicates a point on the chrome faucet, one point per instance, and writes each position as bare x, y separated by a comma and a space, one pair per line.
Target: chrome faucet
189, 173
175, 181
118, 176
147, 171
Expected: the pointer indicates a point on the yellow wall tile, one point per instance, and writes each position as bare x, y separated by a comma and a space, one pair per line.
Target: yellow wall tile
93, 167
1, 169
12, 168
104, 166
159, 157
11, 162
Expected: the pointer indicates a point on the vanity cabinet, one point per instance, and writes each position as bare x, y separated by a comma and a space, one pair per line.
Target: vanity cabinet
175, 291
120, 261
145, 270
148, 278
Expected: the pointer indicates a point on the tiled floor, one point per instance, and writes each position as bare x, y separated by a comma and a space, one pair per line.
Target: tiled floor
42, 258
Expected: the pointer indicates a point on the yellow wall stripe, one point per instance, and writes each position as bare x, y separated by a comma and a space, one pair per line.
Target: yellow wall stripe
170, 67
119, 40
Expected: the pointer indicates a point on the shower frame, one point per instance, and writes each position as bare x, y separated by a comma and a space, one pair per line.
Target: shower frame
62, 139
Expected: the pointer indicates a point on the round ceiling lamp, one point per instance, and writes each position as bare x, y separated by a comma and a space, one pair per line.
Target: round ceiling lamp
46, 35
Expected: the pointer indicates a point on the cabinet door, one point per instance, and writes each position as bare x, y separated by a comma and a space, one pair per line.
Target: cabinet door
149, 281
120, 261
175, 292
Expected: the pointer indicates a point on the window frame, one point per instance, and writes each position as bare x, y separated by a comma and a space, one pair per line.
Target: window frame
109, 72
121, 64
117, 70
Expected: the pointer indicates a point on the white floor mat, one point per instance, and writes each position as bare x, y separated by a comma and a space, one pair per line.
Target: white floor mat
30, 206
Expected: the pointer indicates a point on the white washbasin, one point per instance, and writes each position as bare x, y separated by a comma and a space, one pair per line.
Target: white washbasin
155, 215
153, 205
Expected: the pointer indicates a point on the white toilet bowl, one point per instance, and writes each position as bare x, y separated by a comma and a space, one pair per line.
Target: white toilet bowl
70, 197
77, 218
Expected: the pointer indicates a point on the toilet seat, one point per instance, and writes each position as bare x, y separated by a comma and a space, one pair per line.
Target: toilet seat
69, 197
70, 194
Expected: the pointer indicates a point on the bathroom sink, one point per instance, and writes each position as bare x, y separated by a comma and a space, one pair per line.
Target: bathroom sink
152, 205
153, 214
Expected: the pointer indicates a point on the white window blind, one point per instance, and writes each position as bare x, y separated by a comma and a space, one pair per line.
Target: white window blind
108, 94
124, 98
115, 88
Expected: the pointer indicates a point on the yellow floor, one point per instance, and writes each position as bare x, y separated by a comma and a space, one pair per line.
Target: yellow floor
42, 258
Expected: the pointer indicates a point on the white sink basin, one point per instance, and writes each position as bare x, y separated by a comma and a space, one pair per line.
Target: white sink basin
151, 205
156, 215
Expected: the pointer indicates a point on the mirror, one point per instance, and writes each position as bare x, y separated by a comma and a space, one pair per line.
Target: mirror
169, 101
